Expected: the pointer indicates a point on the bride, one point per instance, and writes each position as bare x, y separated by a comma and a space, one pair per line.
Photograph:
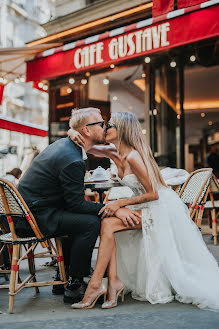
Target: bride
161, 257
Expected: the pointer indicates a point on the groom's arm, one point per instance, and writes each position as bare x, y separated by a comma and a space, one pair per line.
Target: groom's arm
72, 182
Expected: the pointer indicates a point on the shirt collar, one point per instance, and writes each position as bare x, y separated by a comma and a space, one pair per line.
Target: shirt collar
84, 154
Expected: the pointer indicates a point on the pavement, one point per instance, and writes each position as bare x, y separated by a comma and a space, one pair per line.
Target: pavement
44, 310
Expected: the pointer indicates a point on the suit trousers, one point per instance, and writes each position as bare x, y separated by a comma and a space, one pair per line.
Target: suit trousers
82, 231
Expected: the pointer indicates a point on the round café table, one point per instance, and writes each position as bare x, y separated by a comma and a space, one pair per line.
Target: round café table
101, 186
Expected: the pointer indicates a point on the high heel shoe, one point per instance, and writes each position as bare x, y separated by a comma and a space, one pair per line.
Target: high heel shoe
113, 303
91, 304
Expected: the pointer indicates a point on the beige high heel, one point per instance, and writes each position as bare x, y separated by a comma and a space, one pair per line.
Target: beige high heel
83, 306
113, 303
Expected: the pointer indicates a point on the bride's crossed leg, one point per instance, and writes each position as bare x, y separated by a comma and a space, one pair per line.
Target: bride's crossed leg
107, 258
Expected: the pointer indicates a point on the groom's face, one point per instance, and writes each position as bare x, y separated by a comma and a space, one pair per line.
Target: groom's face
96, 129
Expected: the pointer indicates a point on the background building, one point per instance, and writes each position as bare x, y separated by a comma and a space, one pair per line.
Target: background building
172, 88
163, 66
21, 22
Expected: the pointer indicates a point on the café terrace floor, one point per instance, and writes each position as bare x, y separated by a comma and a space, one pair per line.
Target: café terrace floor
48, 311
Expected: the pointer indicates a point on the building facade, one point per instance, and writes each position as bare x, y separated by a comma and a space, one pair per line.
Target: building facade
21, 22
121, 56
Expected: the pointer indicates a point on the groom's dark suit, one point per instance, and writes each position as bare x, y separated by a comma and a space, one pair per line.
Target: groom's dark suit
53, 188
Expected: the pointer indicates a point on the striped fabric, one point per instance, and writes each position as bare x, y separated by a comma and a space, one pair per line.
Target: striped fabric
121, 30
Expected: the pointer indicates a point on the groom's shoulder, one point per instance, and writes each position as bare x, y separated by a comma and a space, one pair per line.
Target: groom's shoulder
63, 151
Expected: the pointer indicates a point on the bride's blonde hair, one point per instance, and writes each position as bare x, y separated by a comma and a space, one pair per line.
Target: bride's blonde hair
130, 132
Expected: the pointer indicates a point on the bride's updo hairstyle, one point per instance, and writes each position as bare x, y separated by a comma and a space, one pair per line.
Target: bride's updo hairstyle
130, 132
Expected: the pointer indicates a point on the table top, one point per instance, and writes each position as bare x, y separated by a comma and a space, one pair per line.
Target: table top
102, 185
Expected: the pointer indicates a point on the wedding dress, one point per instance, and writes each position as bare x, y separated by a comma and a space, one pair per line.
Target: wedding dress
168, 258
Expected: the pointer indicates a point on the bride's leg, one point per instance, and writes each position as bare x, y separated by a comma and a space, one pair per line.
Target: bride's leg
104, 254
114, 283
109, 226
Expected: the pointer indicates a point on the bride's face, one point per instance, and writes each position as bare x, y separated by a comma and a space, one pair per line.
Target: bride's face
111, 132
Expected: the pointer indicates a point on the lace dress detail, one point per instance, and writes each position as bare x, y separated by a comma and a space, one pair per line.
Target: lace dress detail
168, 258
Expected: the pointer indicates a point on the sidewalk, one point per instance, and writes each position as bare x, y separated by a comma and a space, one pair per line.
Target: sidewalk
48, 311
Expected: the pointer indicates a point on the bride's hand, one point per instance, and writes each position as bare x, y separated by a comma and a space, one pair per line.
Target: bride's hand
110, 208
76, 137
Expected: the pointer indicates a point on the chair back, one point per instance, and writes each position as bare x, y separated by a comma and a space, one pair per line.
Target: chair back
214, 185
12, 204
196, 187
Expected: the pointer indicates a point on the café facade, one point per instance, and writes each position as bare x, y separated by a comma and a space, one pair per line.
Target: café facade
137, 67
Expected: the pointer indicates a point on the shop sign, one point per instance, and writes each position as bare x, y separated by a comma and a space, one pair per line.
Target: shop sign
175, 32
122, 47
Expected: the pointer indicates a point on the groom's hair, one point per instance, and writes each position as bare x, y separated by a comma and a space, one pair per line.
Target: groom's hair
80, 117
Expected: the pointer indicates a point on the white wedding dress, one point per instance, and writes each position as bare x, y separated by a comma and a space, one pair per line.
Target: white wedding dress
168, 258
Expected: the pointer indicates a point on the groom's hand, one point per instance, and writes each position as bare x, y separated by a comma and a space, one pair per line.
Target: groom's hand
110, 209
128, 217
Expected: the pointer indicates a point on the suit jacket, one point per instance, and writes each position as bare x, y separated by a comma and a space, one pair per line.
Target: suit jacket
55, 182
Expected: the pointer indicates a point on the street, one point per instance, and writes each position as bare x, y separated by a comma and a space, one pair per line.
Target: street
48, 311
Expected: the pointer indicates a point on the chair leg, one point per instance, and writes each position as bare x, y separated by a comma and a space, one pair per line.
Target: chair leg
200, 216
214, 225
31, 265
60, 260
209, 218
13, 278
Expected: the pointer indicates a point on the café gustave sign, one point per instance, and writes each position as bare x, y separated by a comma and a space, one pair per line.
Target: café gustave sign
123, 46
114, 47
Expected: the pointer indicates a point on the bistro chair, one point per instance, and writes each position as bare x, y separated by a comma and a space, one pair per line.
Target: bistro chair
213, 205
194, 193
13, 206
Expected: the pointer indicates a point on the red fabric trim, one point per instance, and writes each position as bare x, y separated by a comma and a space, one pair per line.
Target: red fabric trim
161, 7
214, 221
188, 10
202, 207
15, 268
2, 87
28, 218
130, 27
196, 206
158, 19
10, 220
188, 3
104, 35
13, 126
60, 259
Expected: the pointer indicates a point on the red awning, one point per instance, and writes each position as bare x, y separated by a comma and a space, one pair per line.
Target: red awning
152, 35
22, 127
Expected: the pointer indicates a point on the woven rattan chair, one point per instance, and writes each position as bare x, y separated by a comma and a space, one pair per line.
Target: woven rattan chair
195, 191
213, 206
12, 205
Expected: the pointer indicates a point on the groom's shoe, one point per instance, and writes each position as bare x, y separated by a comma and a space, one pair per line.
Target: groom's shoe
58, 289
74, 291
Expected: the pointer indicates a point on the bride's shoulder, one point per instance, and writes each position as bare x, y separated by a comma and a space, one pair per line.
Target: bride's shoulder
134, 157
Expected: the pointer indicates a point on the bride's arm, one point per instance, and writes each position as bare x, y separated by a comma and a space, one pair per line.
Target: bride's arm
106, 151
138, 168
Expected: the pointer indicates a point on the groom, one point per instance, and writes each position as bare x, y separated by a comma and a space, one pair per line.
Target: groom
53, 188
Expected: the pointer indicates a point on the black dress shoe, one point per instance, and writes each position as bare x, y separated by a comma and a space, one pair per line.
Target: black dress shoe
58, 289
74, 291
